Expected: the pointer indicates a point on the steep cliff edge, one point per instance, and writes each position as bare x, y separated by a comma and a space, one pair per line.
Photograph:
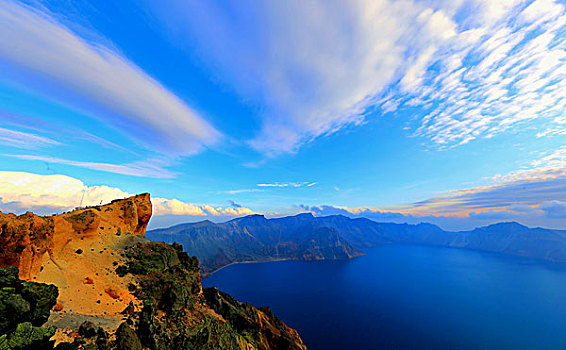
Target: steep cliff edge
26, 239
120, 291
177, 314
76, 252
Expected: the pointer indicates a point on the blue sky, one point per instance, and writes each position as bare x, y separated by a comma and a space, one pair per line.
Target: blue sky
451, 112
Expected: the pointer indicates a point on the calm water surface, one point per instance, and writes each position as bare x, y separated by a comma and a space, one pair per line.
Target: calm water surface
411, 297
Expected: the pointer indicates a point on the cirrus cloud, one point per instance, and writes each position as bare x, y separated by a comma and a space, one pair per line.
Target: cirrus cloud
475, 68
287, 184
20, 139
148, 168
95, 78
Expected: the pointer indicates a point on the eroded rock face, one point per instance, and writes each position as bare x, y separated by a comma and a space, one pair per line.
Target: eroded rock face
24, 240
76, 252
28, 240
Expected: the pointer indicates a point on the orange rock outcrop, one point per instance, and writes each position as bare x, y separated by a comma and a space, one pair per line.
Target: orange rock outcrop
78, 252
27, 240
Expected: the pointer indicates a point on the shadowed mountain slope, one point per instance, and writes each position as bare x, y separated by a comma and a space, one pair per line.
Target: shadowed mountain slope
255, 238
306, 237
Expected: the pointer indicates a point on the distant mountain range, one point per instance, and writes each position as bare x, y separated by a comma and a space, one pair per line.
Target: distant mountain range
306, 237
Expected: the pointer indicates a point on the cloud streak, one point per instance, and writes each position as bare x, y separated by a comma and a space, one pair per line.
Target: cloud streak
244, 190
272, 185
92, 77
287, 184
519, 191
20, 139
497, 197
149, 168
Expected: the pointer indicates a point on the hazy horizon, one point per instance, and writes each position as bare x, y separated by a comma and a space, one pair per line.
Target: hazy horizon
162, 221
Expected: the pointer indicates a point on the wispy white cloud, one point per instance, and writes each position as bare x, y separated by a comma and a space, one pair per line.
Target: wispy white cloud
540, 185
502, 196
556, 159
510, 74
46, 194
272, 185
148, 168
20, 139
477, 68
315, 65
244, 190
550, 166
100, 80
83, 135
287, 184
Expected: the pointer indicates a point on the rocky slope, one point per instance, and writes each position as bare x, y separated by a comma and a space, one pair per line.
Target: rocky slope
115, 289
255, 238
24, 307
305, 237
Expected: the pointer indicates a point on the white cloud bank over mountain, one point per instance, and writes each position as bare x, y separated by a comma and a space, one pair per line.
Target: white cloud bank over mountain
476, 68
47, 194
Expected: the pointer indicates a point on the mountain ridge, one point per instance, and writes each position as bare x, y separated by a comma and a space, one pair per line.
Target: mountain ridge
237, 240
256, 238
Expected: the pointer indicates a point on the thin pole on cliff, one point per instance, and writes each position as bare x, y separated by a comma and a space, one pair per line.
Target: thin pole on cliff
81, 205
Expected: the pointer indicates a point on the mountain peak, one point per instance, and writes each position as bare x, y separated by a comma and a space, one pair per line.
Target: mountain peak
250, 218
304, 215
204, 222
506, 225
254, 217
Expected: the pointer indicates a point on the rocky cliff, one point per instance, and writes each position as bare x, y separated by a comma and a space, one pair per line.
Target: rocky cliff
117, 290
30, 242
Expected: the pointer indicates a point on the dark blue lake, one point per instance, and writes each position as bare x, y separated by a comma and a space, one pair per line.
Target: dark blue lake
411, 297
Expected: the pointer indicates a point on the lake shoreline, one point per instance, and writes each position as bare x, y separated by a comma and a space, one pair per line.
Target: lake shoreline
207, 274
411, 296
546, 262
